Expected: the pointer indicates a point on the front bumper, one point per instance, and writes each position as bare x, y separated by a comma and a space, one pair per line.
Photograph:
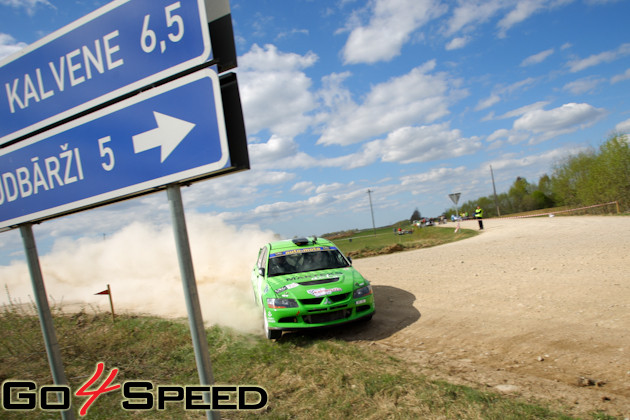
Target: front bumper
310, 314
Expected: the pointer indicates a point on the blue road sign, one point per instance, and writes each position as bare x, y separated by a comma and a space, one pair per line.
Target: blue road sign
121, 47
172, 133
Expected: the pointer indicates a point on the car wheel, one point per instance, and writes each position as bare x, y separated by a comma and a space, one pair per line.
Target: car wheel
270, 334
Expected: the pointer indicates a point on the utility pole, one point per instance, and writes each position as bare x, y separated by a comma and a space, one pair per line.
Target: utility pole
496, 202
372, 211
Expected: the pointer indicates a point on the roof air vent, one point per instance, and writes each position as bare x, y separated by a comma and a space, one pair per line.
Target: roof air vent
300, 241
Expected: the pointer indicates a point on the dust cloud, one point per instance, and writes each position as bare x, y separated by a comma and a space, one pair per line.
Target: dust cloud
139, 262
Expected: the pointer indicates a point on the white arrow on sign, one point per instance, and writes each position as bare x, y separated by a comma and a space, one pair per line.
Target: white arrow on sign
169, 133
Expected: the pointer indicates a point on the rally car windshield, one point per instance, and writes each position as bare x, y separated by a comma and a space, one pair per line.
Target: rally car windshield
306, 261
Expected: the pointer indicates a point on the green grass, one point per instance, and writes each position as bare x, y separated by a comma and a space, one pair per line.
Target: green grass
310, 375
383, 240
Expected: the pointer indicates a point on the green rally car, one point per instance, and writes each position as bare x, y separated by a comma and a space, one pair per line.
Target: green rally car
306, 283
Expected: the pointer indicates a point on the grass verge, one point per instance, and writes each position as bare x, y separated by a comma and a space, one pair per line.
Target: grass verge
386, 240
306, 375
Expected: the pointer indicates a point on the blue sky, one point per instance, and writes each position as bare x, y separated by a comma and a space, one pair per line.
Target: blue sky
411, 99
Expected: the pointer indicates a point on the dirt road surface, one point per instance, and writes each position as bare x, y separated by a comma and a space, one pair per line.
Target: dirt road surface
537, 307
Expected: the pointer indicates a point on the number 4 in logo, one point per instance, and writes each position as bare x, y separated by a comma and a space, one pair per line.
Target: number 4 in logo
84, 392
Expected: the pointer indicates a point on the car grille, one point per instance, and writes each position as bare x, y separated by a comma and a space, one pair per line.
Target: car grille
334, 298
320, 281
327, 317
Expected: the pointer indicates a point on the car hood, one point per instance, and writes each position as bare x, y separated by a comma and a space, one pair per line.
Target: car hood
316, 283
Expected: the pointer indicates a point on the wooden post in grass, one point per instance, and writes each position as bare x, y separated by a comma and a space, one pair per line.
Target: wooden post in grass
111, 302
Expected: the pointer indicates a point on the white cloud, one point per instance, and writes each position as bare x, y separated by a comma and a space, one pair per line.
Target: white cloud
8, 45
391, 24
303, 187
498, 134
333, 94
524, 110
292, 33
329, 188
468, 14
411, 145
29, 5
426, 143
430, 184
511, 136
564, 119
367, 155
489, 116
620, 77
537, 58
238, 189
416, 97
270, 59
434, 175
596, 59
544, 160
274, 149
457, 43
537, 124
581, 86
523, 10
471, 13
279, 152
623, 127
519, 85
500, 91
285, 208
599, 2
274, 90
488, 102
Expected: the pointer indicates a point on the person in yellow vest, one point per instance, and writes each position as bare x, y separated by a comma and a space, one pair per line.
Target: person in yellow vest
479, 217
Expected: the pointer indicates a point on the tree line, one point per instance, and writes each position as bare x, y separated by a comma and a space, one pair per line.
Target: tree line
594, 176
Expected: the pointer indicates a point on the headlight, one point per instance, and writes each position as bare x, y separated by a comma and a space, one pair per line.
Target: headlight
281, 303
364, 291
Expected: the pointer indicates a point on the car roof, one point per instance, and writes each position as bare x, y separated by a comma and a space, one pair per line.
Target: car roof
297, 243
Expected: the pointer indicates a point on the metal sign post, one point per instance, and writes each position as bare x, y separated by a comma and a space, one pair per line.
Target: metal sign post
195, 319
455, 199
45, 317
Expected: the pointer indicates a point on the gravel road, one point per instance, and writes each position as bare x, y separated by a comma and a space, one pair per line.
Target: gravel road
537, 307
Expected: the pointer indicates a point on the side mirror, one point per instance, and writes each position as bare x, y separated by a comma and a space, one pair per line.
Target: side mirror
350, 260
261, 272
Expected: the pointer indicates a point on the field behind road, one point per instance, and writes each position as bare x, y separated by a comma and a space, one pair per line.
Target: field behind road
537, 307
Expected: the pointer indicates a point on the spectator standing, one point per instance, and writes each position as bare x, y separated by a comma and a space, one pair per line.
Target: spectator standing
479, 217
